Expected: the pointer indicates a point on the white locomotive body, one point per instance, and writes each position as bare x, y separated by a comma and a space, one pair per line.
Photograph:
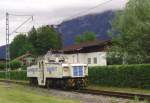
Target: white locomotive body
53, 70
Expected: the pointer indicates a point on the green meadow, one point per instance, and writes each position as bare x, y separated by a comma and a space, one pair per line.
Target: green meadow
20, 94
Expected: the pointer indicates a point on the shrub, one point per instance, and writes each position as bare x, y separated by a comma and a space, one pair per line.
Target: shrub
24, 67
15, 75
137, 76
2, 66
15, 64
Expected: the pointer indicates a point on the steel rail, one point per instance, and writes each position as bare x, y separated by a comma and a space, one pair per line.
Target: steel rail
116, 94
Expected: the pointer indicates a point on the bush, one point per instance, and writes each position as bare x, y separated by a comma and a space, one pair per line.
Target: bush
24, 67
137, 76
15, 64
2, 66
15, 75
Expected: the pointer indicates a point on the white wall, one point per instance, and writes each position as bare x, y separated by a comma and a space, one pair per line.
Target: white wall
83, 58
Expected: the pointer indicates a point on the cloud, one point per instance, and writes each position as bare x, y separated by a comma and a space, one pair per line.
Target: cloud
48, 11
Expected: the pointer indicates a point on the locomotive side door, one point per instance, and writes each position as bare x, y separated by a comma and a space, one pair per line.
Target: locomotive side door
41, 74
42, 67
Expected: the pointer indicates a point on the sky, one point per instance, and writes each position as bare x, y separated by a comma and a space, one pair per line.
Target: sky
48, 12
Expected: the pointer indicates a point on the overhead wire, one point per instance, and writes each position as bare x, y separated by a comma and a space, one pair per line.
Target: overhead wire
87, 10
21, 25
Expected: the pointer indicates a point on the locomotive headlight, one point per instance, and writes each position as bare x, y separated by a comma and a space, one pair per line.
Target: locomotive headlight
65, 69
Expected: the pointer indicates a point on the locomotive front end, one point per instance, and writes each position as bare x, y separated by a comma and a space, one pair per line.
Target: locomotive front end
77, 75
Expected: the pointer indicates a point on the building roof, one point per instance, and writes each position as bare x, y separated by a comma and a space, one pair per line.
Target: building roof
100, 44
23, 56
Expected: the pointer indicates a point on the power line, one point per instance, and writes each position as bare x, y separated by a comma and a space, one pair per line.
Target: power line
87, 10
22, 24
19, 15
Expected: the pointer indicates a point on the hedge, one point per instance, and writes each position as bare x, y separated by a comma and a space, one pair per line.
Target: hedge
14, 75
15, 64
2, 66
137, 76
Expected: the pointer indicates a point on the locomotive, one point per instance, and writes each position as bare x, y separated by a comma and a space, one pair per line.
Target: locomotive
53, 70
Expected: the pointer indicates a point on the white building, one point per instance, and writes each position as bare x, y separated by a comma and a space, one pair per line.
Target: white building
92, 53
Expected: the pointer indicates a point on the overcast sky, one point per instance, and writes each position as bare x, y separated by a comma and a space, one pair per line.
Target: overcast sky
48, 12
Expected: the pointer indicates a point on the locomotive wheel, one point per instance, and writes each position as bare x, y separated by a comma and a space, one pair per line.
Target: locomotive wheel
79, 84
57, 83
36, 83
30, 82
71, 83
33, 82
48, 84
64, 84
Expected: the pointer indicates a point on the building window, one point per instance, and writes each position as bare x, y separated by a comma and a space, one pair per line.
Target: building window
89, 60
95, 60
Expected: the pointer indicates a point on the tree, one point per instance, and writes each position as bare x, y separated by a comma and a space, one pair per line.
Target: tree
37, 42
131, 32
20, 46
86, 36
32, 36
47, 38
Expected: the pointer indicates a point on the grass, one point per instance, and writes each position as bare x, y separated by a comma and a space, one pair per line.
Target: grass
21, 94
125, 90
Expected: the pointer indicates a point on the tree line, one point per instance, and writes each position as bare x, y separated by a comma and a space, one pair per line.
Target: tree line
36, 41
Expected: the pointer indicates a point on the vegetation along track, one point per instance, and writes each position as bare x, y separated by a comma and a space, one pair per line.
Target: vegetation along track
15, 81
95, 92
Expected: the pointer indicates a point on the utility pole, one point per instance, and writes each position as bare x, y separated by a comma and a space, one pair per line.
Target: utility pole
7, 71
7, 48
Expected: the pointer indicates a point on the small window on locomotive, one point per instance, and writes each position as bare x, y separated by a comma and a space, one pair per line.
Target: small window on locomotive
51, 61
95, 60
61, 61
39, 65
89, 60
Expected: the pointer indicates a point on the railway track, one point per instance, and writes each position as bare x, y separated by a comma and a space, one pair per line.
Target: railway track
94, 92
15, 81
116, 94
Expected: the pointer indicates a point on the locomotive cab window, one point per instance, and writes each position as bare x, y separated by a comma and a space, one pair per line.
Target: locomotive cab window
95, 60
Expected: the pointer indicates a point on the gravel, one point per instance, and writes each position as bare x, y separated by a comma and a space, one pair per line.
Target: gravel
87, 98
83, 98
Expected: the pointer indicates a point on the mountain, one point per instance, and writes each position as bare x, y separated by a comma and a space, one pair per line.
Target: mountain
98, 23
2, 52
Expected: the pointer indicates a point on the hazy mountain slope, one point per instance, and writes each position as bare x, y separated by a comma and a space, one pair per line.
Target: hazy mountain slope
98, 23
2, 52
